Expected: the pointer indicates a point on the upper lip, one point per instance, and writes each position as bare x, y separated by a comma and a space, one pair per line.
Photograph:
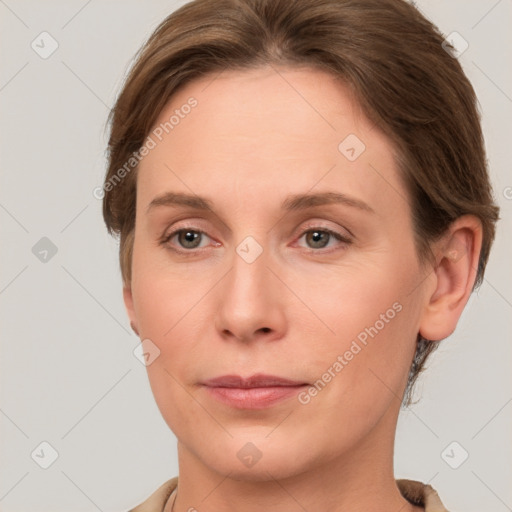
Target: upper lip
259, 380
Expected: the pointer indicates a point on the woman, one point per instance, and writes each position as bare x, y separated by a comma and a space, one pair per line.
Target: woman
304, 209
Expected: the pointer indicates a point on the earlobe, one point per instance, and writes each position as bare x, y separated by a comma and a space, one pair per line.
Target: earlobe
128, 302
457, 255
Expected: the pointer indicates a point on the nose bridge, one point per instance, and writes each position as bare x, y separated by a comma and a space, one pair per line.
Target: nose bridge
247, 302
249, 275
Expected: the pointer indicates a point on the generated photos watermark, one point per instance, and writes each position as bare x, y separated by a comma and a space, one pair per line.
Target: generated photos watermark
358, 343
156, 136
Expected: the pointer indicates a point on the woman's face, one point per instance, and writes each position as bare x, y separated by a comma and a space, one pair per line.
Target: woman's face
275, 276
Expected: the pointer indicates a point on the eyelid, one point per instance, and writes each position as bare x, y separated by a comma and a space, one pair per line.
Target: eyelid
321, 225
180, 225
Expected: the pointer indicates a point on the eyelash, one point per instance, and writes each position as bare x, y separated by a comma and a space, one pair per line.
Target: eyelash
338, 236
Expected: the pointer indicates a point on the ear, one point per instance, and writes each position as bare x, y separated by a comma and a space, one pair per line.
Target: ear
456, 263
128, 303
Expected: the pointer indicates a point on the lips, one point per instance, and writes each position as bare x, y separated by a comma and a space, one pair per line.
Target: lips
258, 391
259, 380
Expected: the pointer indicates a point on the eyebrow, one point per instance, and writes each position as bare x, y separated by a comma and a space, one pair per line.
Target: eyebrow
291, 203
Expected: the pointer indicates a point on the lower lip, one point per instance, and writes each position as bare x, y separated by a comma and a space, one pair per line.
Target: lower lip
253, 398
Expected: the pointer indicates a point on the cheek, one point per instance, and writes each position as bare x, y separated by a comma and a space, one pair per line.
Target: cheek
164, 303
173, 311
373, 312
161, 293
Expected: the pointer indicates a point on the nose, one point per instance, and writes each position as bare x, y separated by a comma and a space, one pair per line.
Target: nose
251, 301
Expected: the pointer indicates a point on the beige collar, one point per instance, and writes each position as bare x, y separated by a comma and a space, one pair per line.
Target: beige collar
416, 492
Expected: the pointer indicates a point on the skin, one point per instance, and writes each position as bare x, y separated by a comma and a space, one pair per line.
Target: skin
254, 138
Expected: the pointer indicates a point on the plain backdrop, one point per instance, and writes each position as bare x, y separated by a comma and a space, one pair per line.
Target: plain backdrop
68, 374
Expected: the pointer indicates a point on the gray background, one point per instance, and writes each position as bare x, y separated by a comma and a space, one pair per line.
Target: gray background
68, 374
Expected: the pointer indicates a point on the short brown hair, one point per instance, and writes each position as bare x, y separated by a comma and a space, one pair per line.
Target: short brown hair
385, 51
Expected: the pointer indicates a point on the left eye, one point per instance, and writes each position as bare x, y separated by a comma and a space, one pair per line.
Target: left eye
319, 238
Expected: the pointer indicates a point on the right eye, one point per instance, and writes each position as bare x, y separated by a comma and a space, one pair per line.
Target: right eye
187, 240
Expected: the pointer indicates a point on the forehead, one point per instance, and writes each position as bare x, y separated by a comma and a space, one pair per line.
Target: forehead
292, 128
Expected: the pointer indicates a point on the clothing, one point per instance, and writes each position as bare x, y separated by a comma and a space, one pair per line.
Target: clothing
415, 492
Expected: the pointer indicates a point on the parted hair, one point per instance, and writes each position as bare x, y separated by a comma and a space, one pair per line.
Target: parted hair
391, 57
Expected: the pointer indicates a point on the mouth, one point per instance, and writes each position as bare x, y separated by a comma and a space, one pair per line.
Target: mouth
258, 391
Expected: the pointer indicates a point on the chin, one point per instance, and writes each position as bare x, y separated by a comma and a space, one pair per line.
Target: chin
257, 458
